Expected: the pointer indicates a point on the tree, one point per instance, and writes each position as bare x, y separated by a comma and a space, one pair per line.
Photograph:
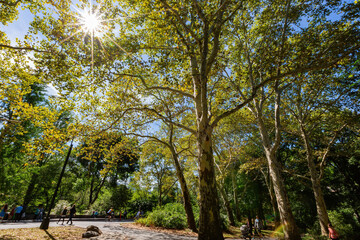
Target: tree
108, 158
194, 50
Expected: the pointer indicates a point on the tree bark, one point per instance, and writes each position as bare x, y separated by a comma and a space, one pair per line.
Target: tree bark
316, 185
287, 219
209, 221
291, 231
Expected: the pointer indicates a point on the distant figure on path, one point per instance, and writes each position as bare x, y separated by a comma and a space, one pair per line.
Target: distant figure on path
95, 214
138, 214
3, 211
18, 212
110, 213
12, 213
125, 214
258, 226
63, 215
41, 213
72, 213
333, 234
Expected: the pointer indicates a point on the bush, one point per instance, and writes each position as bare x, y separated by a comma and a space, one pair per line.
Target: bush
343, 221
172, 216
60, 206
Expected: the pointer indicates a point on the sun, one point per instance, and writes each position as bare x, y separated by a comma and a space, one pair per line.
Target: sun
90, 22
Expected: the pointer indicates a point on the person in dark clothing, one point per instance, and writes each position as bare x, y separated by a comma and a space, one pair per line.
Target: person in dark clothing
3, 211
125, 214
72, 213
63, 215
18, 212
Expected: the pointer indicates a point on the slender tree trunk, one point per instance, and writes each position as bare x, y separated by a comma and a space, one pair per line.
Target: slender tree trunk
250, 225
357, 215
98, 189
274, 207
227, 205
91, 190
29, 192
160, 193
185, 193
236, 200
270, 188
316, 185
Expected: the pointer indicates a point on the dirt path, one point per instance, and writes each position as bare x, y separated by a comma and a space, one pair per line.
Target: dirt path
125, 233
129, 232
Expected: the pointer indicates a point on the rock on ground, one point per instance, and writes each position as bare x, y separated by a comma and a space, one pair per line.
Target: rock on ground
90, 234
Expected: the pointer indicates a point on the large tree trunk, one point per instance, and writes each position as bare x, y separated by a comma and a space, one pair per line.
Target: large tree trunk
291, 231
227, 205
185, 193
209, 221
287, 219
316, 185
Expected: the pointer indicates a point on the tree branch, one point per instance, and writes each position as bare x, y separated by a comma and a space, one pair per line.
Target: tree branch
185, 94
23, 48
307, 68
323, 160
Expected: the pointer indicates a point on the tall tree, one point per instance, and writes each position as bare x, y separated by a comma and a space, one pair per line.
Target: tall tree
195, 49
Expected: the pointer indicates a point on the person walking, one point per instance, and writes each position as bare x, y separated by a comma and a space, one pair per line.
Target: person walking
18, 212
63, 215
125, 214
12, 214
72, 213
258, 226
333, 234
138, 214
41, 213
110, 213
4, 211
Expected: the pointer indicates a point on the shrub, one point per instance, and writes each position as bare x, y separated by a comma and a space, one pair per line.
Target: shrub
343, 221
172, 216
60, 206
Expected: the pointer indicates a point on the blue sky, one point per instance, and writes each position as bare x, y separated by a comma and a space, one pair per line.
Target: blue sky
19, 27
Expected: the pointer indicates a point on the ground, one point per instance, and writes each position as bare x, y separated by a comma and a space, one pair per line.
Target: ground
111, 230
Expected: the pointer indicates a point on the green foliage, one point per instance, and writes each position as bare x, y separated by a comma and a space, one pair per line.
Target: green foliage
60, 206
344, 222
172, 215
145, 205
120, 197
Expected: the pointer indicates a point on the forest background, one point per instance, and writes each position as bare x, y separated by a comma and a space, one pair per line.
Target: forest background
231, 109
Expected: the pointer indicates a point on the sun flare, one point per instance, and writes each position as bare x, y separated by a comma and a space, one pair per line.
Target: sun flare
91, 22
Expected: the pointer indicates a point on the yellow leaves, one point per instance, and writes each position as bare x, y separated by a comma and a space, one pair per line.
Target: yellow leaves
253, 164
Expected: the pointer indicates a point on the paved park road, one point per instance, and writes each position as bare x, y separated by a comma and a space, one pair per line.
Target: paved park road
111, 230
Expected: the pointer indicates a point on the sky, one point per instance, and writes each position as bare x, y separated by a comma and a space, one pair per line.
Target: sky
19, 27
17, 30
